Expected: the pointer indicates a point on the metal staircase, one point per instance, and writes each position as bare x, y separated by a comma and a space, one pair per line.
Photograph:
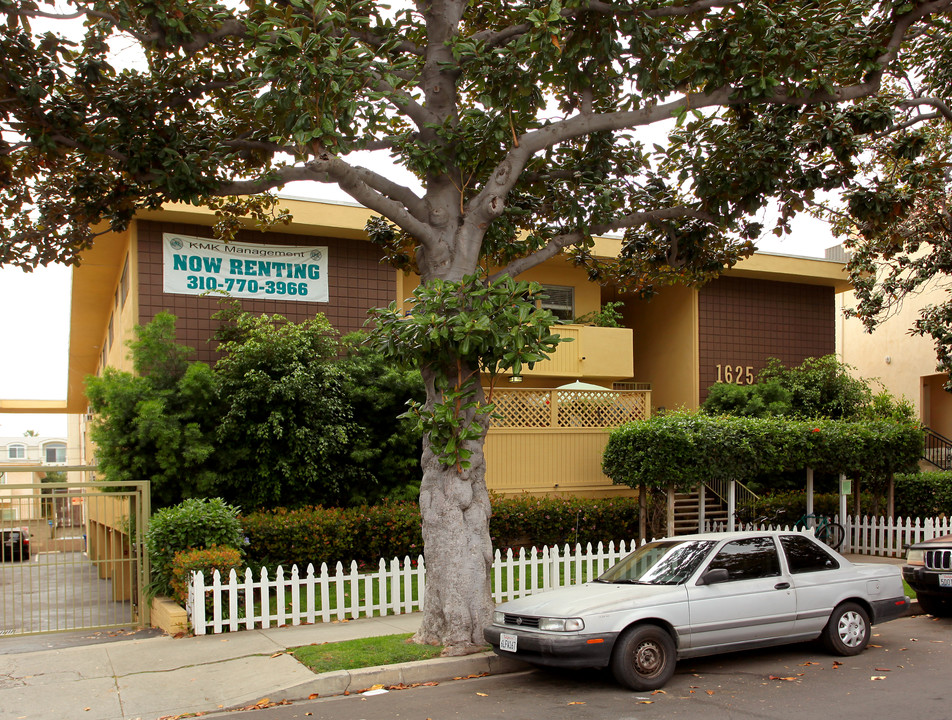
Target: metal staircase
938, 450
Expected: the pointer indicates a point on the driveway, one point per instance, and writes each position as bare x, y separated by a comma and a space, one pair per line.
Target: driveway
57, 591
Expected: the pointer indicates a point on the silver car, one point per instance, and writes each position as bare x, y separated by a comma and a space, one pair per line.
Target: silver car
698, 595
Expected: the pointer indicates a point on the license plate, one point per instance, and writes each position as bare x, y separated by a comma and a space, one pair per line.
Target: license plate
508, 642
945, 580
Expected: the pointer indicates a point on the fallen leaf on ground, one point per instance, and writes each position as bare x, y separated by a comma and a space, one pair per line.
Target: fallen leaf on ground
576, 702
808, 662
482, 694
659, 692
278, 654
882, 669
777, 677
709, 692
877, 677
645, 702
313, 696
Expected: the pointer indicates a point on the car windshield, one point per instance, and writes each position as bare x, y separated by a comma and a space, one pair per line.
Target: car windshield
668, 562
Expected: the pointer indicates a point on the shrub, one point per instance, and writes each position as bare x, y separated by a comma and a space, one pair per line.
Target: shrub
314, 534
367, 534
206, 560
926, 494
683, 449
194, 523
527, 520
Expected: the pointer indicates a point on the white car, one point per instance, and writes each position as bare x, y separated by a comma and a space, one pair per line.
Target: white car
698, 595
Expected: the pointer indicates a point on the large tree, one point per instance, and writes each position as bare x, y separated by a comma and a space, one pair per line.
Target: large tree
523, 122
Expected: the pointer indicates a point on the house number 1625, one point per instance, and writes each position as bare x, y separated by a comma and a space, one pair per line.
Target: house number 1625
737, 374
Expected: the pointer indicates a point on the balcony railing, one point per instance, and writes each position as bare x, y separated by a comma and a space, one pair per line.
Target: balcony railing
569, 408
592, 352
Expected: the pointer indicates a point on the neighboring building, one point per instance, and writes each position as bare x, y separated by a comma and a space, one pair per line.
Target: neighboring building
905, 364
27, 461
676, 344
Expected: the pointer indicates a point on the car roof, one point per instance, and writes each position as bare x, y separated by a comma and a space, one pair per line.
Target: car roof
735, 535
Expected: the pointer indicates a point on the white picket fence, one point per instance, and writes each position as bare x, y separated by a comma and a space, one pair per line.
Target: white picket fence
397, 587
889, 538
290, 598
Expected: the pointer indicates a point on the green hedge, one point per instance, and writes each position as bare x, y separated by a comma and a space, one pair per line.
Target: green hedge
927, 494
366, 534
918, 495
684, 449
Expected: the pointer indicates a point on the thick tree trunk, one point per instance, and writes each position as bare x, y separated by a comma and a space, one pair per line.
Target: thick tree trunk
457, 549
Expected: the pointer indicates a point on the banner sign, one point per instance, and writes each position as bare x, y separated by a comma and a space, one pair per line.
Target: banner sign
194, 265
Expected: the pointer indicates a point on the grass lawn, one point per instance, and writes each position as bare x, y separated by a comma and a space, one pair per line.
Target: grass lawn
909, 591
364, 652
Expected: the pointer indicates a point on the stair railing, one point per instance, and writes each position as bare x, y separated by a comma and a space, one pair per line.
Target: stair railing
938, 450
744, 497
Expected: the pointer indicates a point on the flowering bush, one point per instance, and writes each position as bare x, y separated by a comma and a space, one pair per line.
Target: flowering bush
207, 560
195, 523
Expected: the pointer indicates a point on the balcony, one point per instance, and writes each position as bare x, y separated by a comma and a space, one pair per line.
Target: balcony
546, 442
594, 352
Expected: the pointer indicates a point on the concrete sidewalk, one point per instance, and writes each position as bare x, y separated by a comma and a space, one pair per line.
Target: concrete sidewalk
148, 678
160, 677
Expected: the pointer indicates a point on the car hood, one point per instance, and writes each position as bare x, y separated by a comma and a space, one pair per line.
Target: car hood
592, 598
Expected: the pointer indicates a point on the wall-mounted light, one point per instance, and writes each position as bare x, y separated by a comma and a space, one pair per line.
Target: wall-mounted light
515, 379
888, 359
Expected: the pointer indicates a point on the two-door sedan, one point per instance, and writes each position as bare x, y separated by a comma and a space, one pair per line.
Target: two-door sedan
698, 595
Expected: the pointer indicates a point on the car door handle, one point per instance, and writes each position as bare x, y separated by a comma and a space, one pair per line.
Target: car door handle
782, 586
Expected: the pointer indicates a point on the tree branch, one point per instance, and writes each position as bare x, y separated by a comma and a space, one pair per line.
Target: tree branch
497, 38
395, 202
558, 243
941, 107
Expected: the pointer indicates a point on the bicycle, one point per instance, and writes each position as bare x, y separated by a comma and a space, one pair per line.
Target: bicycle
747, 519
826, 531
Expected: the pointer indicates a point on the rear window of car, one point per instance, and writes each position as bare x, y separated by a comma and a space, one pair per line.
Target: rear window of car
748, 559
804, 555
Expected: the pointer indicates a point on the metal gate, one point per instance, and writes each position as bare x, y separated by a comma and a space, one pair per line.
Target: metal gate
73, 556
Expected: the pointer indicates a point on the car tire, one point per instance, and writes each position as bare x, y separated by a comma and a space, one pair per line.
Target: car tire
938, 606
644, 658
847, 632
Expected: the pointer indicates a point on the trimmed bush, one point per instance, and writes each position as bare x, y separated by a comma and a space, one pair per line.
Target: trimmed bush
684, 449
539, 521
195, 523
366, 534
206, 560
926, 494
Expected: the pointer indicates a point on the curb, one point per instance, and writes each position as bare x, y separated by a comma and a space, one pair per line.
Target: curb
340, 682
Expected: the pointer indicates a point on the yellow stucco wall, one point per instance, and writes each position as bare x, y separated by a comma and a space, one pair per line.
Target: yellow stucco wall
666, 335
904, 364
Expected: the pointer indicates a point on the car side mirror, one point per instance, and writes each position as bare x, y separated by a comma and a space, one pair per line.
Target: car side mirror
714, 576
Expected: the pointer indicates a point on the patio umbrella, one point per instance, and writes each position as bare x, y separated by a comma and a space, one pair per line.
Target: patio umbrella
579, 385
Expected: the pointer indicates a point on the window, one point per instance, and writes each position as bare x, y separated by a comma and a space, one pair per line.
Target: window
561, 301
804, 555
16, 451
124, 284
748, 559
55, 452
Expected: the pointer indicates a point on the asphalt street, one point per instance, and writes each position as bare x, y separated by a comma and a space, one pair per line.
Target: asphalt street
904, 673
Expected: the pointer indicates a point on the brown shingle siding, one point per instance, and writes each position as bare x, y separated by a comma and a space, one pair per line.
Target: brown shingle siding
743, 322
357, 282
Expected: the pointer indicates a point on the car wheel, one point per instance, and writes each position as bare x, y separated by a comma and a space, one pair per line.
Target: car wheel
644, 658
847, 631
938, 606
